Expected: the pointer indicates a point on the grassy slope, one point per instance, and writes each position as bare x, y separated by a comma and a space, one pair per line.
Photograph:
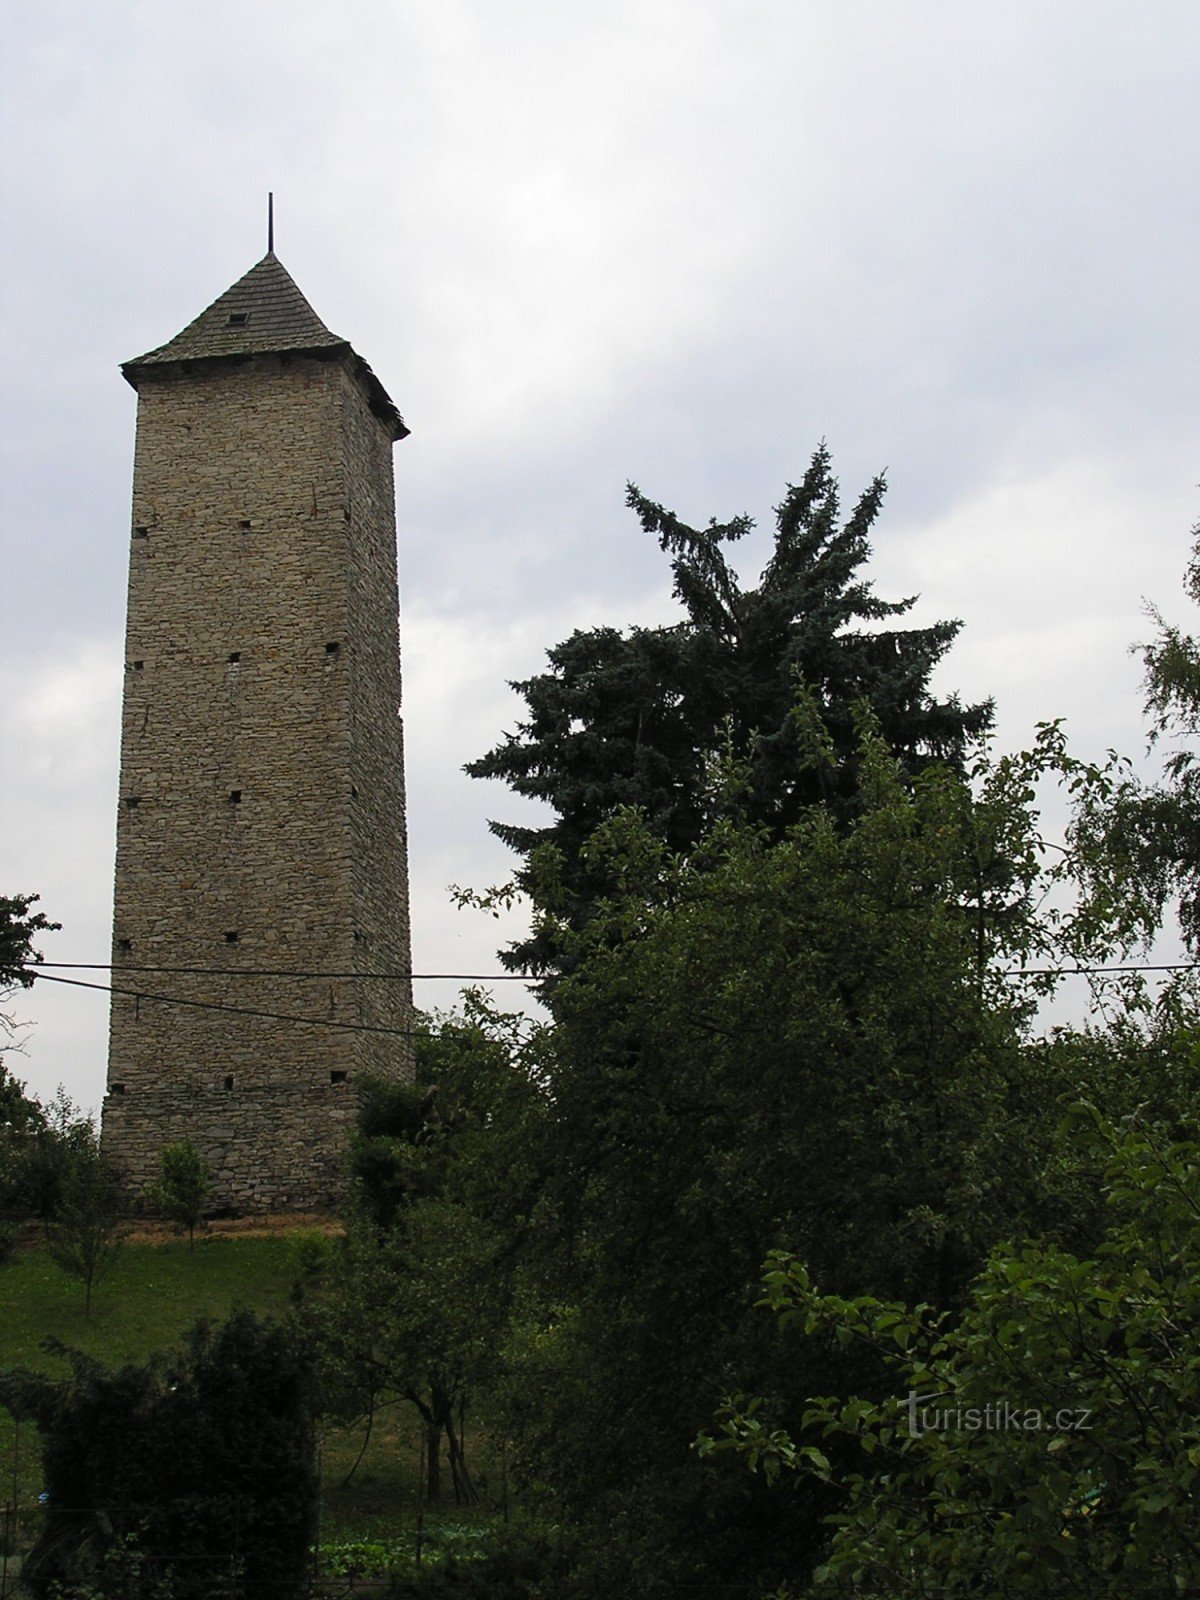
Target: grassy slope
153, 1292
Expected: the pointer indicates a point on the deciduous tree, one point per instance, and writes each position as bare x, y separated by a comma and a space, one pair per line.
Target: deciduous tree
416, 1308
1043, 1443
19, 926
822, 1038
1140, 839
183, 1190
84, 1235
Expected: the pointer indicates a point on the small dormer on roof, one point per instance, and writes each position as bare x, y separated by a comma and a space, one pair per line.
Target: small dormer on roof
263, 313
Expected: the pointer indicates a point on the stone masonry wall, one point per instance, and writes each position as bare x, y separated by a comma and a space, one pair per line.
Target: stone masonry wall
260, 829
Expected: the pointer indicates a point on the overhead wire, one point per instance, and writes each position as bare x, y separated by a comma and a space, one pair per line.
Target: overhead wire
241, 1011
33, 968
37, 972
281, 972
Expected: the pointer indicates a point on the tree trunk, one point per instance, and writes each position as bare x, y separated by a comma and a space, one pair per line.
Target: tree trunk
465, 1492
433, 1462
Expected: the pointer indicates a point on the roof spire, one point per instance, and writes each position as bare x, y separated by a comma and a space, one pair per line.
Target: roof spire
270, 223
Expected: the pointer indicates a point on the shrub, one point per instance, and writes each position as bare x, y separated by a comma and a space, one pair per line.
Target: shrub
200, 1462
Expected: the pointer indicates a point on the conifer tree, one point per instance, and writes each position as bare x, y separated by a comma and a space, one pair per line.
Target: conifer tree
638, 717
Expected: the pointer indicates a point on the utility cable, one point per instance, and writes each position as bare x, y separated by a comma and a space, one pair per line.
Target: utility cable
282, 972
241, 1011
33, 968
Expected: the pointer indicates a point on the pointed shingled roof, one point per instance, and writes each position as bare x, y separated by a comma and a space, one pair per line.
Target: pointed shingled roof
263, 313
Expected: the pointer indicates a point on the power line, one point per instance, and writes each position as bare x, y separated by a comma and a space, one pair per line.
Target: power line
1072, 972
241, 1011
33, 968
422, 1033
282, 972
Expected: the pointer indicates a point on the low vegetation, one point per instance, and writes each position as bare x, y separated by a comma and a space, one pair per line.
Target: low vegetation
373, 1510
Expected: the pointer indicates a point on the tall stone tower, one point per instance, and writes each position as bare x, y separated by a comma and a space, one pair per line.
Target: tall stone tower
261, 846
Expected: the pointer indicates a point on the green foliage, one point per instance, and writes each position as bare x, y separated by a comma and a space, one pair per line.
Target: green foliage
41, 1146
121, 1572
414, 1307
365, 1558
398, 1151
19, 926
639, 718
153, 1291
20, 1115
183, 1191
202, 1460
1141, 840
819, 1040
1045, 1442
312, 1254
456, 1559
84, 1236
21, 1121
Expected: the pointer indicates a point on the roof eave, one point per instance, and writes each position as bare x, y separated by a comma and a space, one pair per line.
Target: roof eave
381, 403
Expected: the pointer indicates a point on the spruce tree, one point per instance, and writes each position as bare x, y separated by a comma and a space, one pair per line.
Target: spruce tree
636, 718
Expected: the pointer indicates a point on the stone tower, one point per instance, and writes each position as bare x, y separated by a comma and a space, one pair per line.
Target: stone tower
261, 847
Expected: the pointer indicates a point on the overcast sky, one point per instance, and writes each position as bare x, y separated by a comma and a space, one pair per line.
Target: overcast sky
673, 241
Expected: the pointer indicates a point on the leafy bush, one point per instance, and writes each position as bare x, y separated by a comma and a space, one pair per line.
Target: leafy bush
460, 1561
311, 1253
199, 1463
183, 1191
366, 1558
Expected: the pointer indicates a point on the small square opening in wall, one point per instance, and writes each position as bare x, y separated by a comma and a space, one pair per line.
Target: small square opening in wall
229, 1082
231, 936
125, 945
132, 800
235, 797
332, 648
141, 533
139, 666
339, 1077
116, 1088
238, 319
244, 524
234, 657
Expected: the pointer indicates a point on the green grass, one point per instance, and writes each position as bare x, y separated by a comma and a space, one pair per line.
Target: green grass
153, 1293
